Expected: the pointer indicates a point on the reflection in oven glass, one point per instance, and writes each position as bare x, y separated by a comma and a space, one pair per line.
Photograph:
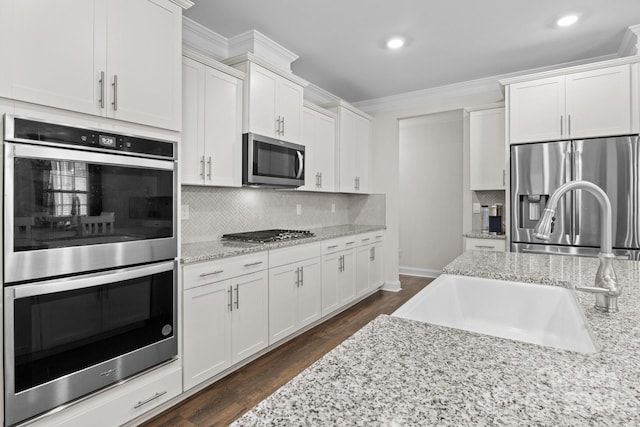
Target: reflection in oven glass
70, 203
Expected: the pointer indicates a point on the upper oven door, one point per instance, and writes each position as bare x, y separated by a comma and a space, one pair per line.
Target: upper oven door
272, 162
69, 211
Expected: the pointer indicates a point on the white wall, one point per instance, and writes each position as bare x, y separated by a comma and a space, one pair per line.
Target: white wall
386, 158
430, 192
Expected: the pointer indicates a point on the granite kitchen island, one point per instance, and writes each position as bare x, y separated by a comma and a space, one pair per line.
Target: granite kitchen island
402, 372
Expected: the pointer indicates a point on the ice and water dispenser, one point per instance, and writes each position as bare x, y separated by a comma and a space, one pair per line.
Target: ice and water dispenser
530, 208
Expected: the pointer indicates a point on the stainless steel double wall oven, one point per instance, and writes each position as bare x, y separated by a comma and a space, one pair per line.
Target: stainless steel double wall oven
90, 269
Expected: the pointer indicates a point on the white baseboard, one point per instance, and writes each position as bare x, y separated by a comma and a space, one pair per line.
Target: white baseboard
420, 272
392, 286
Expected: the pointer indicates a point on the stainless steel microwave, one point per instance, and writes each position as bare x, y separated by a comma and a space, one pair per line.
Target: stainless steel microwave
270, 162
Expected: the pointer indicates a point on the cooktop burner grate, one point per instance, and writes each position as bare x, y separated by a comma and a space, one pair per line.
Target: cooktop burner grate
266, 236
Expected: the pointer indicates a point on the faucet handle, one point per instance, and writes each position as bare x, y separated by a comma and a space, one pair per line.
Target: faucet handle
592, 289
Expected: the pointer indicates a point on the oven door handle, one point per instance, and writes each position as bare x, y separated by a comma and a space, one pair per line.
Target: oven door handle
89, 280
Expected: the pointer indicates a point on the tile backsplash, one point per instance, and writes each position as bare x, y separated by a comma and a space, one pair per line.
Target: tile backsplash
488, 197
214, 211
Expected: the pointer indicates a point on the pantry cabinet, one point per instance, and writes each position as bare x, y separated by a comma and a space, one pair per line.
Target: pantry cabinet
353, 155
225, 315
592, 103
211, 145
487, 149
319, 139
273, 99
118, 58
294, 290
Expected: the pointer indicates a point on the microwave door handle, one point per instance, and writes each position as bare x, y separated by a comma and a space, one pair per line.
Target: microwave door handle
90, 280
301, 167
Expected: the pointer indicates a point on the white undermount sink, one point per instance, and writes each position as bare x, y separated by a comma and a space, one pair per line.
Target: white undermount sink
539, 314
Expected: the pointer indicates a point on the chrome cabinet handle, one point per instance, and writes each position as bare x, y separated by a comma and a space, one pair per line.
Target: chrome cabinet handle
379, 237
302, 276
332, 246
372, 254
230, 303
237, 297
504, 177
320, 179
561, 126
209, 170
298, 277
350, 243
365, 240
212, 273
278, 126
202, 167
251, 264
483, 247
154, 397
115, 92
101, 101
569, 124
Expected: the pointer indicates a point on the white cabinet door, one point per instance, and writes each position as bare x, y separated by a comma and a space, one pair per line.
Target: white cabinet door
487, 149
289, 108
144, 47
363, 260
347, 278
309, 293
376, 272
223, 129
283, 288
331, 269
347, 150
319, 139
54, 53
536, 110
599, 102
362, 153
250, 316
192, 167
262, 101
206, 332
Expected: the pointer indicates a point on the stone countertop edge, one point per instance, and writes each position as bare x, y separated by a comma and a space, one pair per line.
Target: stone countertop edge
218, 249
481, 235
396, 371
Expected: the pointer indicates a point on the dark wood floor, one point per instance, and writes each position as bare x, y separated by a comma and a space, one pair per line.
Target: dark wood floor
227, 399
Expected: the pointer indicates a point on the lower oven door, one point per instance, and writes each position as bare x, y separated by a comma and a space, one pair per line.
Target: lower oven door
67, 338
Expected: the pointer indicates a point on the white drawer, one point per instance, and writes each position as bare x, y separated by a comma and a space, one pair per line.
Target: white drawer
294, 253
122, 403
472, 244
207, 272
339, 244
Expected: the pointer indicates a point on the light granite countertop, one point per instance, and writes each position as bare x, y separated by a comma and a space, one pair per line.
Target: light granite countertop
206, 251
481, 235
398, 372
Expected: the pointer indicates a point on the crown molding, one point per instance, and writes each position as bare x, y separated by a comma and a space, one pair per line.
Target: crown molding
208, 61
630, 42
344, 104
257, 43
185, 4
251, 58
201, 38
319, 109
493, 86
319, 96
484, 107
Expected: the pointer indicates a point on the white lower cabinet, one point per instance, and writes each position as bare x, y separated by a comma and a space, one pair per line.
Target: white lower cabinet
368, 268
338, 274
294, 295
123, 403
225, 321
473, 244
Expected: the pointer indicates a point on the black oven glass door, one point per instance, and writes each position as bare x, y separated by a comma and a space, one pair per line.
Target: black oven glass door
64, 199
56, 331
276, 161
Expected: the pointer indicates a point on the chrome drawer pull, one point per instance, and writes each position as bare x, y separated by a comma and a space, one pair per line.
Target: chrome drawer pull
350, 243
212, 273
484, 247
379, 237
251, 264
154, 397
332, 246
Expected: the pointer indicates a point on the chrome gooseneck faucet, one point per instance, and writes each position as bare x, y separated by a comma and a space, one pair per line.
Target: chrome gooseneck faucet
606, 286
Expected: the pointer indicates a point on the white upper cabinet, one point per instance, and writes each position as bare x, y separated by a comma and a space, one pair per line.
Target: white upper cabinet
353, 150
487, 149
592, 103
273, 99
116, 58
319, 139
211, 142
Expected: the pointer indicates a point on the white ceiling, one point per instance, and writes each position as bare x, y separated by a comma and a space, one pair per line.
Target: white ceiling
340, 42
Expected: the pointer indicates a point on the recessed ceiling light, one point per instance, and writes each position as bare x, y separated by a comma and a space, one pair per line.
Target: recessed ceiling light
395, 42
567, 20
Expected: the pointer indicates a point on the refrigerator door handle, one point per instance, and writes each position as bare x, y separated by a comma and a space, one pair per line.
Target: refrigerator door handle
577, 205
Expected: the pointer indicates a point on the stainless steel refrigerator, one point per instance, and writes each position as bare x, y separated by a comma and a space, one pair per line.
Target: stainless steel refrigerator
538, 169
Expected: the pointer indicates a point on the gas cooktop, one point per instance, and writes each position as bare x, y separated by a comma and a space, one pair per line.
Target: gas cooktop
266, 236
